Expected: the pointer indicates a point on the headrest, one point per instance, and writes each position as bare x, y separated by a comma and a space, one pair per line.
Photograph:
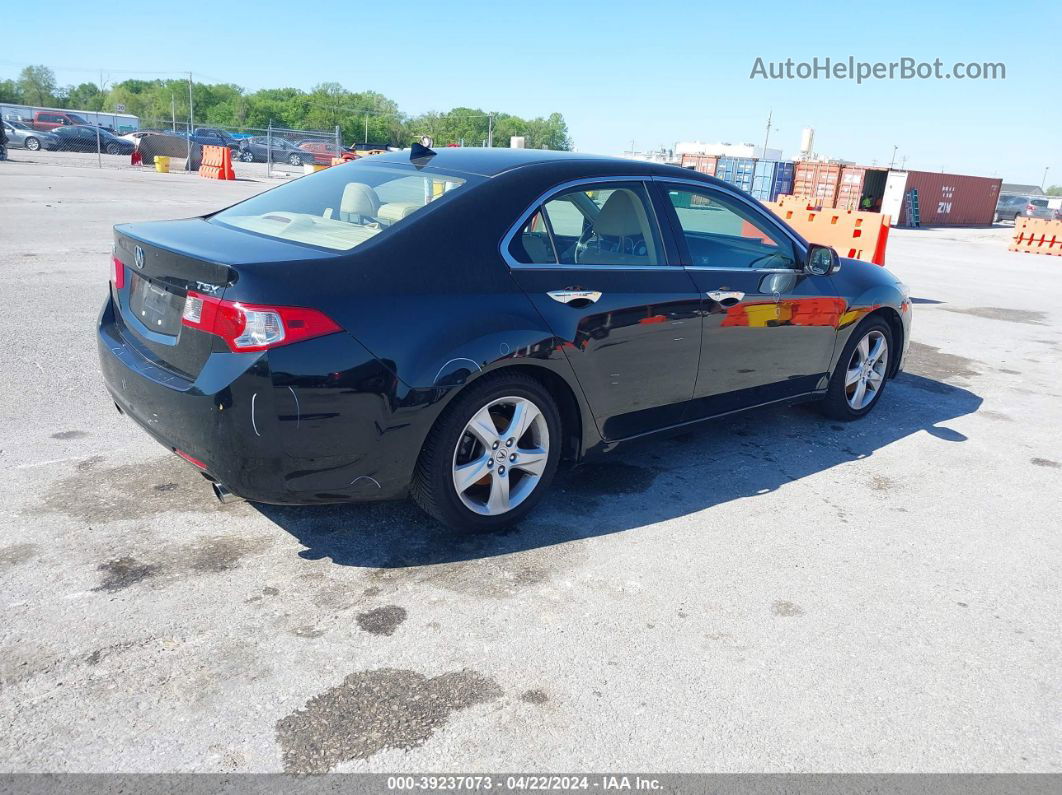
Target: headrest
359, 199
622, 216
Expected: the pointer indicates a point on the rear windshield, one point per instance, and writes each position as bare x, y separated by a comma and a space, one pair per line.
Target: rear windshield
343, 206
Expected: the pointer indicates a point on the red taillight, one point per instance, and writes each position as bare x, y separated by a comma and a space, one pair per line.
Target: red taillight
1029, 208
250, 327
118, 277
193, 461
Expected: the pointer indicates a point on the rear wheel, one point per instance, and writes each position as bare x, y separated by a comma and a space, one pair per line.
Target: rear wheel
246, 157
33, 144
491, 456
861, 373
113, 149
295, 160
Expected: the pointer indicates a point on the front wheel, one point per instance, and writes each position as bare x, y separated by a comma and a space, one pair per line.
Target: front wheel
861, 372
33, 144
113, 149
246, 157
491, 456
295, 160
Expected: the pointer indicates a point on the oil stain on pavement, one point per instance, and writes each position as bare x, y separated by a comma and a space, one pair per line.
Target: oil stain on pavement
382, 620
997, 313
123, 572
376, 710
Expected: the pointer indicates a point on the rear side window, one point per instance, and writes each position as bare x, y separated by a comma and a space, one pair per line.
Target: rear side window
343, 207
533, 244
1039, 202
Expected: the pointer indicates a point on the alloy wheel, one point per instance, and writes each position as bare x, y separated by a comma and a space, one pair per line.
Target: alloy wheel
33, 144
866, 370
501, 455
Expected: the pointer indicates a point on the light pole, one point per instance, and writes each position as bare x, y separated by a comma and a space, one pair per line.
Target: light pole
767, 135
892, 162
1044, 180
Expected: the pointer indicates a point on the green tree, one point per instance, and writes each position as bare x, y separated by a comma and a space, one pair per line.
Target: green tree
38, 85
1055, 190
10, 92
86, 96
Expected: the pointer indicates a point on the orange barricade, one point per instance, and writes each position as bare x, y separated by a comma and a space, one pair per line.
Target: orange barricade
855, 234
217, 163
1037, 236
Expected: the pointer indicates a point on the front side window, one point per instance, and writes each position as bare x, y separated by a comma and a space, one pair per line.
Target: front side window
342, 207
721, 233
610, 224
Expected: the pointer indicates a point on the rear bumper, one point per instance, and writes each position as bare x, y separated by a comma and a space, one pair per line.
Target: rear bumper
268, 433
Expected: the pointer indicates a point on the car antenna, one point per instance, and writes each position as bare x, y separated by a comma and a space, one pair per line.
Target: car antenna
422, 150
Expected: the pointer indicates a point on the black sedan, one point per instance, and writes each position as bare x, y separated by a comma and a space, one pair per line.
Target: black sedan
85, 138
453, 325
259, 148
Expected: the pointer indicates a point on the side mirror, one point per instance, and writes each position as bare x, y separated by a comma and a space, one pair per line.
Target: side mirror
821, 260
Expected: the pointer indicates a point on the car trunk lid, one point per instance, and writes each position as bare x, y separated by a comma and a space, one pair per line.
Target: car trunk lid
162, 263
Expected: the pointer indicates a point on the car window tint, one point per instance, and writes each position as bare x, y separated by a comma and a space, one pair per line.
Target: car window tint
532, 244
608, 224
721, 233
1039, 202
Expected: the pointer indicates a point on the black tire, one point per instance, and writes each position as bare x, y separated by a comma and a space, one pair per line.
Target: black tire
33, 144
295, 160
835, 405
247, 157
433, 487
113, 149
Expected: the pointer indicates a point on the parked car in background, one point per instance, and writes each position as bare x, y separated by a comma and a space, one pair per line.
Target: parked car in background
212, 136
257, 150
322, 151
47, 120
84, 138
363, 150
1013, 207
242, 342
23, 136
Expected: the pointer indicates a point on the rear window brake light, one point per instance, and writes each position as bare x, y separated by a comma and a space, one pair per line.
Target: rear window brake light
252, 327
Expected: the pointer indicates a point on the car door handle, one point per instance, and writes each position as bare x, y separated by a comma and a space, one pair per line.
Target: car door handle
573, 296
725, 295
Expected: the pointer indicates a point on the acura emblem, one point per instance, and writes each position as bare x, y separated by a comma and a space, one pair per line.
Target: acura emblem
139, 253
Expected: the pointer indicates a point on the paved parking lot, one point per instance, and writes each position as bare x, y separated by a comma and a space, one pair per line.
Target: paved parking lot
777, 593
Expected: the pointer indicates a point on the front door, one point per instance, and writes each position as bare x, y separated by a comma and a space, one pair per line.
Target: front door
768, 328
592, 261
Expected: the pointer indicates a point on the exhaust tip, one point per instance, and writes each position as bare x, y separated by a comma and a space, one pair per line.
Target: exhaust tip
223, 494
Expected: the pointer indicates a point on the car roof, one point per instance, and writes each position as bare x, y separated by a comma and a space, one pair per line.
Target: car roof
491, 162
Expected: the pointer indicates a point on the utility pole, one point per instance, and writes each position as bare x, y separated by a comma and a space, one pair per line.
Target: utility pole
99, 155
893, 161
173, 113
1044, 180
191, 117
490, 129
767, 135
366, 128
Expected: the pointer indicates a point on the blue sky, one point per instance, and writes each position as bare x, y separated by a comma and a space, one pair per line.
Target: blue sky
653, 72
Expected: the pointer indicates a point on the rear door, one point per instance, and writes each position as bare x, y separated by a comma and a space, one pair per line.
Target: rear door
593, 261
768, 328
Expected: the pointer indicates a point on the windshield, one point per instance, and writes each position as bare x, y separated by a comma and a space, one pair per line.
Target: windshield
343, 206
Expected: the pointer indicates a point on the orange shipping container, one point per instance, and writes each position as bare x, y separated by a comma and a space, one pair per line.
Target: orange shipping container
705, 164
818, 182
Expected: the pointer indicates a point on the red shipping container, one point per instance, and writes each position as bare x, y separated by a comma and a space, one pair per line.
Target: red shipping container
943, 199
